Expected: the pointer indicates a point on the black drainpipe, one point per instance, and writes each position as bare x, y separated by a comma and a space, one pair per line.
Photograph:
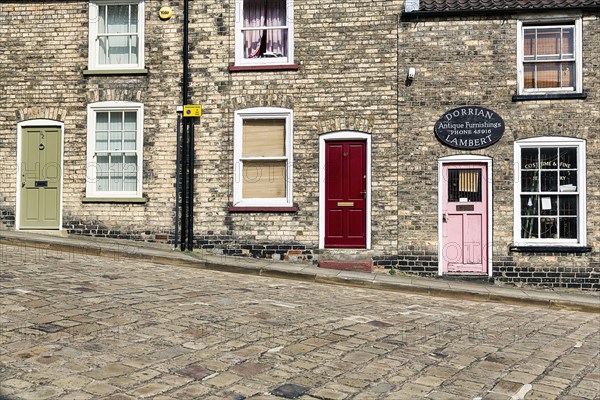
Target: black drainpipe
185, 241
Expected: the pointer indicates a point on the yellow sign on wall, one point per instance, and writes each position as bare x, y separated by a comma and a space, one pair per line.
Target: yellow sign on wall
165, 12
192, 110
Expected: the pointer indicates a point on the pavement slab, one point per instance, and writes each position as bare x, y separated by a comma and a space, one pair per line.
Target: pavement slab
161, 331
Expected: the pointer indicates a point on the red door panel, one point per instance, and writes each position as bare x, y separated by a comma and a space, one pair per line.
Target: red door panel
345, 194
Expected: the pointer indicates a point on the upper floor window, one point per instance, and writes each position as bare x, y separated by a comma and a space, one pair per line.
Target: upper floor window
264, 32
550, 191
115, 143
263, 157
116, 35
550, 57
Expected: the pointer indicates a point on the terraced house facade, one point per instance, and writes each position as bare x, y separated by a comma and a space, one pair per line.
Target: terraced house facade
435, 137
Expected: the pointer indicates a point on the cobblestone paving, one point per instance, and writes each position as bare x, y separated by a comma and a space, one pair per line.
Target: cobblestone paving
83, 327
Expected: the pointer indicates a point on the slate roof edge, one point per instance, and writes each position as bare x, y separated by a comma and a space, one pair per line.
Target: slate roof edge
414, 15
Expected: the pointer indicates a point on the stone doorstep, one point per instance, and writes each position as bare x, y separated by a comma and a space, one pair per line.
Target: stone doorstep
348, 265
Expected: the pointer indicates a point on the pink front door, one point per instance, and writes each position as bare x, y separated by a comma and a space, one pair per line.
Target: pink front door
464, 210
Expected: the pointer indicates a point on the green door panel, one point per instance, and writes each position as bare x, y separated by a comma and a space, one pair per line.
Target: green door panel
40, 178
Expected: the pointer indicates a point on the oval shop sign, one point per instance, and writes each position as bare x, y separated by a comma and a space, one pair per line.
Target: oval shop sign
469, 128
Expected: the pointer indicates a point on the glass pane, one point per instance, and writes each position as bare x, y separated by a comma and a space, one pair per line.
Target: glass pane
548, 43
548, 228
529, 181
101, 141
549, 181
264, 179
568, 181
103, 50
529, 43
102, 173
118, 49
130, 122
118, 19
130, 183
549, 158
263, 138
116, 183
529, 206
265, 13
529, 228
548, 205
102, 19
268, 43
116, 121
464, 184
131, 165
529, 159
129, 140
276, 43
548, 75
529, 78
133, 58
102, 121
568, 157
116, 143
568, 74
568, 228
133, 22
568, 43
568, 205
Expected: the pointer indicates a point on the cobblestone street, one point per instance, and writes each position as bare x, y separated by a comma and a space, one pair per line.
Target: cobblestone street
84, 327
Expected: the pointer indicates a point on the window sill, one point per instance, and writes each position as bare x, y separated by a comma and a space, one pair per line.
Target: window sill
234, 209
550, 249
97, 72
549, 96
259, 68
124, 200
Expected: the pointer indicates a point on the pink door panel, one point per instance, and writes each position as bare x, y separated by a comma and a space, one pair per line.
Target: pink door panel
464, 218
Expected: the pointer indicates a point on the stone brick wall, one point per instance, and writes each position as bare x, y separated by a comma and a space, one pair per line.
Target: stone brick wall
353, 58
472, 61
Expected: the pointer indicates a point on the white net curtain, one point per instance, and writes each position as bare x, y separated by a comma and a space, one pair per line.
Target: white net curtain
265, 29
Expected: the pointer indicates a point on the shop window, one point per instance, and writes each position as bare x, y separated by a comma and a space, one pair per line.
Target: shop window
549, 57
115, 144
116, 32
264, 32
550, 191
263, 158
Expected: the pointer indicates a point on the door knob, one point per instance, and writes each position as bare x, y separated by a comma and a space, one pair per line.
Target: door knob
444, 217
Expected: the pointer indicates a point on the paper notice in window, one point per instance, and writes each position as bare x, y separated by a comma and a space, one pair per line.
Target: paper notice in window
546, 204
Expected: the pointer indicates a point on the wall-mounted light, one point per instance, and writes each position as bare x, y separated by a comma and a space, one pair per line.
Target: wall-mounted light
411, 74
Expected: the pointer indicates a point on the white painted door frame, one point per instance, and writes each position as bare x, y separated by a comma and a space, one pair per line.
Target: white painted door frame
461, 159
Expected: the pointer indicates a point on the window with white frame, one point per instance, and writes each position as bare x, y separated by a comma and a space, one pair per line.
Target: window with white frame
550, 191
116, 29
264, 32
115, 143
549, 57
263, 158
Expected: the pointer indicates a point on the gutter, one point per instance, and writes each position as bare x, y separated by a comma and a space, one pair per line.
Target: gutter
416, 15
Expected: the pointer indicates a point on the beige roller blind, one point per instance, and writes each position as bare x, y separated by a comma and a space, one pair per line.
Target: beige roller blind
468, 181
263, 179
263, 138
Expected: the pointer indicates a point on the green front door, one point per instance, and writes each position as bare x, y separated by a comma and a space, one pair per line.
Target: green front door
40, 178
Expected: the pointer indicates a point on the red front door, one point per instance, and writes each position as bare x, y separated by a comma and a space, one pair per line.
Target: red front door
345, 194
464, 219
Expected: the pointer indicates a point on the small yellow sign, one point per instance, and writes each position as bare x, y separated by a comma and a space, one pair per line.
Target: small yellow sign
165, 12
192, 110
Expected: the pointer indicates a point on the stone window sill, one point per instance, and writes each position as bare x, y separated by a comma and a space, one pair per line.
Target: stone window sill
549, 96
264, 68
124, 200
233, 209
550, 249
98, 72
